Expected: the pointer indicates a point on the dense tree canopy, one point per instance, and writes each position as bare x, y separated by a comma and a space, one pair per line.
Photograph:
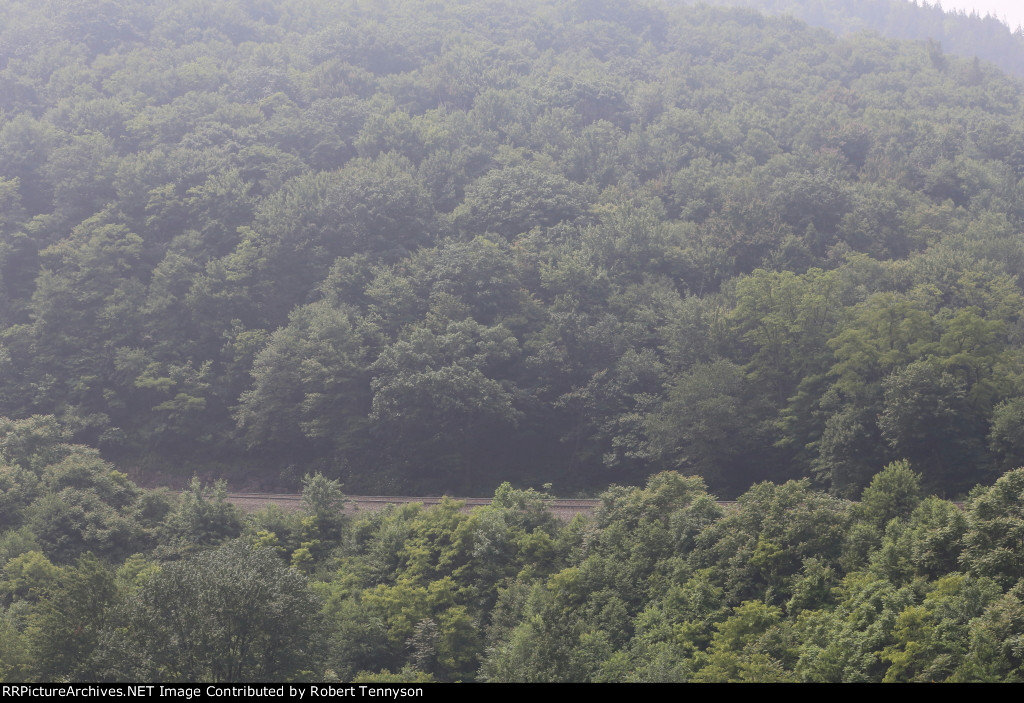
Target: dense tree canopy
436, 248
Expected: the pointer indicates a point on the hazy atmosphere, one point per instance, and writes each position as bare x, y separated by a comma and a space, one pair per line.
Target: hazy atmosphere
1009, 11
714, 310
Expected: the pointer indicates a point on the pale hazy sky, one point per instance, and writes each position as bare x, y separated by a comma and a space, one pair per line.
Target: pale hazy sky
1012, 11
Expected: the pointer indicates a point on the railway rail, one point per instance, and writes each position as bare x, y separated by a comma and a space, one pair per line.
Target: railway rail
564, 508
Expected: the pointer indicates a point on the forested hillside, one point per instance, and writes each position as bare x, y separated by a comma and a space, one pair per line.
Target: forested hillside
434, 247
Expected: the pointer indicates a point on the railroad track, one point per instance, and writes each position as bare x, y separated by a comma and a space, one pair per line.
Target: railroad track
561, 507
564, 508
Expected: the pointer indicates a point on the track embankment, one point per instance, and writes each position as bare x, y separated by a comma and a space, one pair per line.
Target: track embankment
563, 508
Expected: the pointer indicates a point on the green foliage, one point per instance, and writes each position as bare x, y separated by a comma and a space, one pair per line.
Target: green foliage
201, 517
28, 576
90, 507
405, 675
994, 652
746, 647
230, 614
323, 501
419, 247
995, 530
514, 199
758, 553
306, 380
929, 544
925, 417
67, 626
262, 236
893, 493
708, 425
931, 639
1005, 437
33, 443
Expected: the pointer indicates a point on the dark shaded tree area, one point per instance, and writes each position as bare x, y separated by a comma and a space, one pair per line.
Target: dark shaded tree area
434, 249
